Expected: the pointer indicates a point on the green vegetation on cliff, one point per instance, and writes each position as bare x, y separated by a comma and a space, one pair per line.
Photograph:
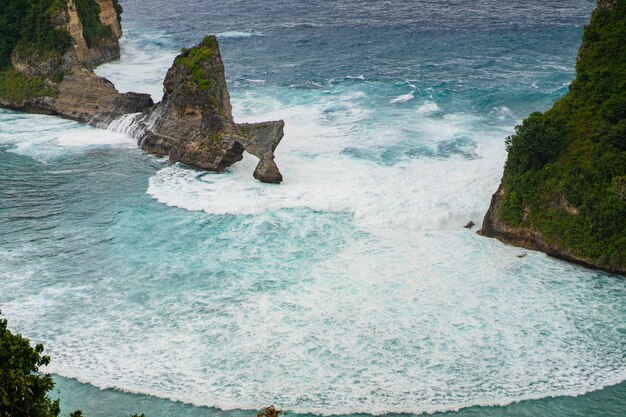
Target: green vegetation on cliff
196, 58
89, 14
566, 171
17, 87
34, 31
27, 27
118, 9
24, 388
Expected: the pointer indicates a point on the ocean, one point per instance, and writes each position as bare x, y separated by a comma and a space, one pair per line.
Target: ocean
353, 287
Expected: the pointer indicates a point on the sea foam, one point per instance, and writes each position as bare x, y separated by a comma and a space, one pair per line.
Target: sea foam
352, 287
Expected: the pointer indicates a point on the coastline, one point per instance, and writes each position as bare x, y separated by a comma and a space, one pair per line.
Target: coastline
528, 238
96, 402
103, 403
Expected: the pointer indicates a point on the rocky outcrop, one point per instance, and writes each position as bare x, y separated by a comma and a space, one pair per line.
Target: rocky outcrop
105, 49
261, 140
193, 124
529, 238
79, 94
568, 203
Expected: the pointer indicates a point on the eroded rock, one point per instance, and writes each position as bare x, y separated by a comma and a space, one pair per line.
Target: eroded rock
193, 124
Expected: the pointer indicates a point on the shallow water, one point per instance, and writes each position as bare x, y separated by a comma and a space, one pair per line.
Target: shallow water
352, 287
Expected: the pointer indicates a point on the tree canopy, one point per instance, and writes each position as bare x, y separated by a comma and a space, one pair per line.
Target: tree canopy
23, 388
566, 170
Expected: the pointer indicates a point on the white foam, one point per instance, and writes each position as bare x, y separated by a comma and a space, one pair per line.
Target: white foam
400, 322
46, 137
418, 193
403, 98
409, 313
428, 107
94, 137
238, 34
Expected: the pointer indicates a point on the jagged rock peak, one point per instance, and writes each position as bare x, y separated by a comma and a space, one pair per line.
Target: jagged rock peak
196, 85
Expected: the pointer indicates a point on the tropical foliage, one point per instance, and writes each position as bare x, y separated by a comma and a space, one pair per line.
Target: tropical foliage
27, 25
566, 171
23, 389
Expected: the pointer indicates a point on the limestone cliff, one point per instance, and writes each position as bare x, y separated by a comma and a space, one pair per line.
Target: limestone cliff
563, 191
104, 48
193, 124
68, 85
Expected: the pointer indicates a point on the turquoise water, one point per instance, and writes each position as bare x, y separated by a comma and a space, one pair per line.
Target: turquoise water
609, 402
350, 288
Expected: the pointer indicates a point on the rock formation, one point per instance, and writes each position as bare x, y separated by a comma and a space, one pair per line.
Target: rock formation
74, 91
193, 124
563, 191
105, 49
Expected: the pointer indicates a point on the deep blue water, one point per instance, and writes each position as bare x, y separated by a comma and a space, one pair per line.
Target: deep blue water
350, 288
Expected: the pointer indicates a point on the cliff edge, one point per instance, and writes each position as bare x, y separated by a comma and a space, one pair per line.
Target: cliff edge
563, 190
48, 49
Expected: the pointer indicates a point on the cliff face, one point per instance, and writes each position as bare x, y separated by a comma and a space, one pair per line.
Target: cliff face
563, 191
69, 87
109, 17
194, 123
104, 48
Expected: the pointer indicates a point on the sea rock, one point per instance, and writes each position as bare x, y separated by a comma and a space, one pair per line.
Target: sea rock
470, 224
261, 140
193, 124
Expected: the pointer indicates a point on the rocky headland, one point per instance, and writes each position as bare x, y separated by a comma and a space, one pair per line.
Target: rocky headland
193, 124
52, 73
563, 191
